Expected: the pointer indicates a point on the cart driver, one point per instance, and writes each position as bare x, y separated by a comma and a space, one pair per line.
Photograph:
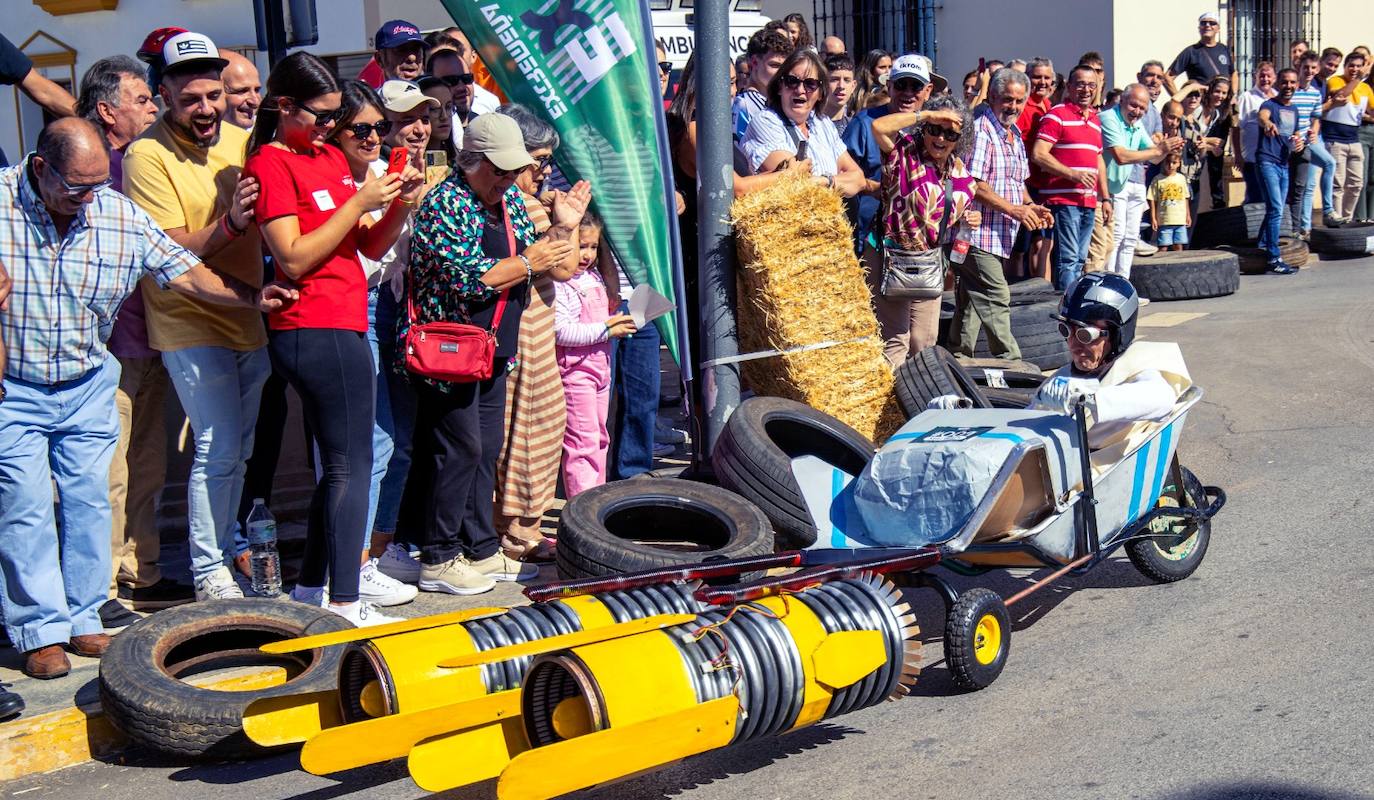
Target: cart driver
1128, 385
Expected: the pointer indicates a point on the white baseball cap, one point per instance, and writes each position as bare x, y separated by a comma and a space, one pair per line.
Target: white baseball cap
1209, 16
910, 66
189, 47
402, 96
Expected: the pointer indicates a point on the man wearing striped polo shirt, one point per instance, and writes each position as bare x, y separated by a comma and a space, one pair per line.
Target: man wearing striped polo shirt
1307, 100
1073, 177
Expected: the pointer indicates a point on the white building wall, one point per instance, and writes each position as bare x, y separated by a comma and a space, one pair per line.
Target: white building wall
1159, 30
1004, 29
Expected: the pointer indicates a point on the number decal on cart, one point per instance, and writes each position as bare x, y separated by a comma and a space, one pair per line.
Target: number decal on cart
953, 434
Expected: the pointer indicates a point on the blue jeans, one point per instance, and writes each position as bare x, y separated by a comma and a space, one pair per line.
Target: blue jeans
382, 445
55, 573
1073, 232
1274, 182
395, 418
1318, 158
1254, 186
634, 375
220, 390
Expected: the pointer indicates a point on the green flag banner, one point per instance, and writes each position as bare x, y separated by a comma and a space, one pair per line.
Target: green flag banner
588, 65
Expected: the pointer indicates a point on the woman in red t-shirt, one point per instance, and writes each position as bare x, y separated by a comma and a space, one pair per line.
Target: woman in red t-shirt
315, 221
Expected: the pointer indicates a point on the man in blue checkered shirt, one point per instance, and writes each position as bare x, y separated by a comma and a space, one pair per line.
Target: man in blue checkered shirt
74, 249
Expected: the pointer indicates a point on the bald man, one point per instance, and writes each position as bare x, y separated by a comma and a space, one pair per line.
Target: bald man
58, 422
833, 46
242, 89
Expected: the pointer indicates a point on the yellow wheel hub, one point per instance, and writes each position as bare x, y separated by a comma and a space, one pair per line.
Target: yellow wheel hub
987, 640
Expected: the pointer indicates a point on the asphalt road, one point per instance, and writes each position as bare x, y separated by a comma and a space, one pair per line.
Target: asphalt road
1249, 680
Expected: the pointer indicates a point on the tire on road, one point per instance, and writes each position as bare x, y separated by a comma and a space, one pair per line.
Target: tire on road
1188, 275
1171, 558
141, 675
1350, 240
977, 638
1254, 260
1238, 226
931, 373
628, 526
753, 457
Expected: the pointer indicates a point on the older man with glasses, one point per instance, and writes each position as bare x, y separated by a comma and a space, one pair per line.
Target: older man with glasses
1206, 59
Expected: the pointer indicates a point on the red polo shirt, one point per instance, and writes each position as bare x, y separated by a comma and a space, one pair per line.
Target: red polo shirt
1076, 140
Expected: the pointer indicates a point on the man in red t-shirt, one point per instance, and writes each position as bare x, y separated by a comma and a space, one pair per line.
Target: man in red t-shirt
1072, 178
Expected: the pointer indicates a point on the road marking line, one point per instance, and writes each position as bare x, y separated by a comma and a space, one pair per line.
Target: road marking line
1168, 319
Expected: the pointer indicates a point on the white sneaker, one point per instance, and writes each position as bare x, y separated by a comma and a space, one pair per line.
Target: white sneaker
1144, 301
310, 595
665, 433
1144, 248
381, 590
397, 563
362, 614
218, 585
455, 576
501, 567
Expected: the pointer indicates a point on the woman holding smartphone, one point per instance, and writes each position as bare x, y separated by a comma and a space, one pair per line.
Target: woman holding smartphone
316, 224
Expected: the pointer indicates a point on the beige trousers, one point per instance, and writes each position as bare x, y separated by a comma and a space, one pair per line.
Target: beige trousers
906, 326
1348, 177
136, 473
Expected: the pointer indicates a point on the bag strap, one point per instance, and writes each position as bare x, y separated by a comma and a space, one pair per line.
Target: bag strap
949, 208
505, 293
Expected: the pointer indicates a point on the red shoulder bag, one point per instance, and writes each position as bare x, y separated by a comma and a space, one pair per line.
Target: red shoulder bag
453, 351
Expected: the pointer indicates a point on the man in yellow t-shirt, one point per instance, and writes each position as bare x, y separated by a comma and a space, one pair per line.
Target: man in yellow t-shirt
1349, 102
185, 172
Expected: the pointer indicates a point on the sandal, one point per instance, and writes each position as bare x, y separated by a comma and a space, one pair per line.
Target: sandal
538, 552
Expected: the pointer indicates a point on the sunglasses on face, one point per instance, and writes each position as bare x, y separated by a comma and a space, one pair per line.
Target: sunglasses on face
540, 164
322, 118
498, 172
906, 85
360, 130
1082, 334
1208, 24
79, 189
935, 131
466, 79
446, 110
792, 82
665, 67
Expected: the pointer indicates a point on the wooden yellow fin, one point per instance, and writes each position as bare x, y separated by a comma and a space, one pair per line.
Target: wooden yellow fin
604, 756
384, 738
450, 760
568, 640
378, 631
291, 718
846, 657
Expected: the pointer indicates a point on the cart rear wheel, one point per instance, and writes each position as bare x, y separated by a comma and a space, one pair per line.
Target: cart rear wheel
1177, 551
977, 638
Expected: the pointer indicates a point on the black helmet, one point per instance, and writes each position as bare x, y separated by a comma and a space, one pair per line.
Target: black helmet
1103, 297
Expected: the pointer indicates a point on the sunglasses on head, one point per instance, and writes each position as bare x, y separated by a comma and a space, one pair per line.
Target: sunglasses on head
360, 130
322, 118
1084, 334
665, 67
942, 133
467, 79
792, 82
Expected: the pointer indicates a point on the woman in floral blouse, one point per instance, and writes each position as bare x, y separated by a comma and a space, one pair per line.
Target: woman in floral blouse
919, 163
473, 245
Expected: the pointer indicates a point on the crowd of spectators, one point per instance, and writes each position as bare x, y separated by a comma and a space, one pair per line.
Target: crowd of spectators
185, 227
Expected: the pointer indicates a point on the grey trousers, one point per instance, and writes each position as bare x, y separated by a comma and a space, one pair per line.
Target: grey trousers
982, 289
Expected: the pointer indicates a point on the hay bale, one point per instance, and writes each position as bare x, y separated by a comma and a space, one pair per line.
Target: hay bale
800, 284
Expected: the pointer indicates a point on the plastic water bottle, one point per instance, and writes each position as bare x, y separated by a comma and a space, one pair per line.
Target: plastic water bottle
959, 251
263, 560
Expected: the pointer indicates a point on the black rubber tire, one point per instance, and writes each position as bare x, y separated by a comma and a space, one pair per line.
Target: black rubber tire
143, 697
1151, 559
1014, 379
1349, 240
1189, 275
1035, 329
962, 638
1009, 398
1253, 260
1034, 290
628, 526
1239, 226
931, 373
753, 457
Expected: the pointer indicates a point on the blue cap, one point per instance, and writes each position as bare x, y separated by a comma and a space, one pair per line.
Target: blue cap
396, 33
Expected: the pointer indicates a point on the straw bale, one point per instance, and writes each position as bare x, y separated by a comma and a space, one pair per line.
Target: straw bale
801, 284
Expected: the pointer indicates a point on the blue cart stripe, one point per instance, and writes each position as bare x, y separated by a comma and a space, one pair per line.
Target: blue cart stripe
1011, 436
1163, 466
912, 435
837, 538
1142, 458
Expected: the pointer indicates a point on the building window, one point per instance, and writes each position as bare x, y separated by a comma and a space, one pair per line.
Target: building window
1263, 30
897, 26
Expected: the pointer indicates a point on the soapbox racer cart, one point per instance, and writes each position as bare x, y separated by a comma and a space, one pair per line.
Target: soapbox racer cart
1047, 506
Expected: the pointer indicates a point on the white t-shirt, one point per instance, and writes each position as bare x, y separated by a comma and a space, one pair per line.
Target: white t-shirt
389, 268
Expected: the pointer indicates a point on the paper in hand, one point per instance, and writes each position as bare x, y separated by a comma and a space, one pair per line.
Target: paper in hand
647, 305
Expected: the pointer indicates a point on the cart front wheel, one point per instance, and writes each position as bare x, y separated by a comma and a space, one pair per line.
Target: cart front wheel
1177, 550
977, 638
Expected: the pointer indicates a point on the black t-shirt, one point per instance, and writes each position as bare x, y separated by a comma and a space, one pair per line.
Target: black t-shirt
1204, 63
14, 65
496, 245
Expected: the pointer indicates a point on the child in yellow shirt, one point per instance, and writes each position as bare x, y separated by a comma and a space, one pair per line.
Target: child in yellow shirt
1169, 213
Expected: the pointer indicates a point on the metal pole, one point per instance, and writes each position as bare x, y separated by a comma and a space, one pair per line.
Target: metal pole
717, 387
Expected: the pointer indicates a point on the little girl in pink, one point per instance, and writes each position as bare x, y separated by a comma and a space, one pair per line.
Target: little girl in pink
583, 328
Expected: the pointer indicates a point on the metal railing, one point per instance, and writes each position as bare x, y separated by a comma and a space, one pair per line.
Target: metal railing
898, 26
1263, 30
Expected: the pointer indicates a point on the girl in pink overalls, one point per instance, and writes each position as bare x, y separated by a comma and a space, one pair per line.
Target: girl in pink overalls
583, 328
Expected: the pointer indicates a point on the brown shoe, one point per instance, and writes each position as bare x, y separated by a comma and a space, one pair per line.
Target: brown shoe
91, 645
47, 662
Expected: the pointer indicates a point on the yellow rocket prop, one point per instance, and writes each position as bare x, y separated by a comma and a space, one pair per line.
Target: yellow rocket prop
577, 691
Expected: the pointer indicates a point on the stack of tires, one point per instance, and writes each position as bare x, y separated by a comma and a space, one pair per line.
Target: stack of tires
1034, 303
1348, 240
933, 372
